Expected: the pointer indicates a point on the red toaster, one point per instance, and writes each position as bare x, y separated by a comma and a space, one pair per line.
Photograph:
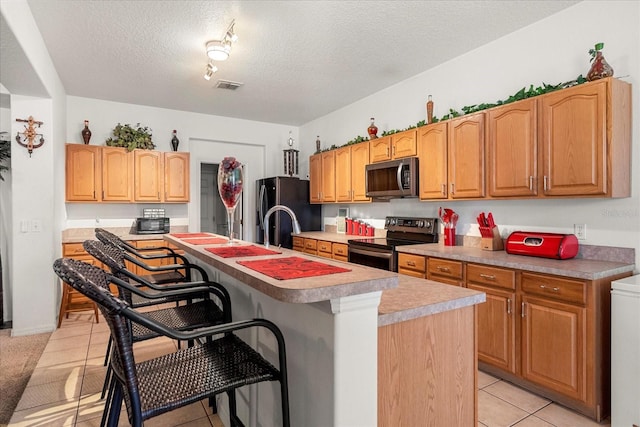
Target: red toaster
545, 245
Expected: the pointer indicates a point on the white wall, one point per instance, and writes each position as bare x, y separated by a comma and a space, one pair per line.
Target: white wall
5, 223
553, 50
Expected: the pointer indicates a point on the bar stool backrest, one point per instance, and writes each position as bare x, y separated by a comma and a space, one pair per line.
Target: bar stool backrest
113, 257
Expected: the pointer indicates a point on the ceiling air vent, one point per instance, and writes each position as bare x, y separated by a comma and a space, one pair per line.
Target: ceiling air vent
227, 84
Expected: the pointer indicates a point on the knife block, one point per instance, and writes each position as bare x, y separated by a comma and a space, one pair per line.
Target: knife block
493, 243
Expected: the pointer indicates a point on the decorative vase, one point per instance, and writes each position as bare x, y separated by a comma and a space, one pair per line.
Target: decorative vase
86, 133
175, 141
372, 130
600, 68
230, 177
429, 110
317, 144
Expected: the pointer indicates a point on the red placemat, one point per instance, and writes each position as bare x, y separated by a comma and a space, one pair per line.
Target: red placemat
182, 235
291, 268
206, 241
241, 251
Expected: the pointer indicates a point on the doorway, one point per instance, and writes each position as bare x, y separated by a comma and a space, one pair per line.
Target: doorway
213, 213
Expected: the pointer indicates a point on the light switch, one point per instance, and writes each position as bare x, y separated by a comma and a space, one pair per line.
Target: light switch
24, 226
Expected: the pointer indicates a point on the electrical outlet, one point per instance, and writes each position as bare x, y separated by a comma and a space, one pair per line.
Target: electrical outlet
580, 230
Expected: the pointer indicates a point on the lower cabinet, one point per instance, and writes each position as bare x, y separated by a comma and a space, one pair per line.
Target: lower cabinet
324, 249
298, 243
549, 334
340, 252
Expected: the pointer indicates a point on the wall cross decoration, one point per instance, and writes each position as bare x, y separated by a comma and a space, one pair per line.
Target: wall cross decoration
29, 134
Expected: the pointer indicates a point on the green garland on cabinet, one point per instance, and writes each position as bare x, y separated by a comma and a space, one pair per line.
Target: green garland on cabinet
469, 109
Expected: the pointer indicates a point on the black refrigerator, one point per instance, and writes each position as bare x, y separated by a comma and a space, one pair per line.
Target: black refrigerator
293, 193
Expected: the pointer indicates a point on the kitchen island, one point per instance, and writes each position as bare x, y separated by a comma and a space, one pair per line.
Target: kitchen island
350, 338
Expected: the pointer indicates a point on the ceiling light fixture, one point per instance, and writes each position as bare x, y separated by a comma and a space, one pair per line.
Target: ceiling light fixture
219, 50
210, 70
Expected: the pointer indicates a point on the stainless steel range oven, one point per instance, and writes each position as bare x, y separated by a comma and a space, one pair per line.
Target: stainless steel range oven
380, 252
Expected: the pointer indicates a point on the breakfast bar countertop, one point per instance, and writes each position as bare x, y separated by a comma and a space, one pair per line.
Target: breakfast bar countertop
358, 280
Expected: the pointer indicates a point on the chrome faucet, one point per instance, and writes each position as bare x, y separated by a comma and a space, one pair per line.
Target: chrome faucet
294, 221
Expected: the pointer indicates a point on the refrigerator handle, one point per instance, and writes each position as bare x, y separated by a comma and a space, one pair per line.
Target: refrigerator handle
261, 204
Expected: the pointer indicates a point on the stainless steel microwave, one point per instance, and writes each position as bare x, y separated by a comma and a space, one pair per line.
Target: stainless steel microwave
152, 225
395, 178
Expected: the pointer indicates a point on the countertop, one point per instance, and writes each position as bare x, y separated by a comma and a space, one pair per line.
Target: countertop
359, 280
79, 235
415, 298
579, 268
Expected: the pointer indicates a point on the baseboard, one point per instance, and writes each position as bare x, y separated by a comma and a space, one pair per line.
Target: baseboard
32, 331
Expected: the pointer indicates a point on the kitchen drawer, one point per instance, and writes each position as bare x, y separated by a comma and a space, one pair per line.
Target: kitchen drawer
324, 246
340, 251
310, 244
416, 263
73, 249
574, 291
491, 276
145, 244
298, 243
445, 268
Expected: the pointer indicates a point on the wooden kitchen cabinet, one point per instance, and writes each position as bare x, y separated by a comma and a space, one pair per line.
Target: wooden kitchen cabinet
328, 176
149, 175
340, 251
298, 243
585, 140
117, 174
350, 174
380, 149
311, 246
496, 317
395, 146
324, 249
466, 140
322, 177
554, 334
403, 144
512, 154
176, 177
412, 265
315, 178
83, 173
445, 271
432, 161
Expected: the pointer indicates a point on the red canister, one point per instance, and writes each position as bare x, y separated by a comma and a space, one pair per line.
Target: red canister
370, 230
449, 236
348, 226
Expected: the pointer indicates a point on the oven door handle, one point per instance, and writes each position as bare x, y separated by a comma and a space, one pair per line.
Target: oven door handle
375, 254
399, 177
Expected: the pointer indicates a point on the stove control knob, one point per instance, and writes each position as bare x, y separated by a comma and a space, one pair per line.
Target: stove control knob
393, 221
420, 224
427, 224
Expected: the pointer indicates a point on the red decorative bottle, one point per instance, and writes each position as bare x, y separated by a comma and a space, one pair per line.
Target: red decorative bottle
372, 130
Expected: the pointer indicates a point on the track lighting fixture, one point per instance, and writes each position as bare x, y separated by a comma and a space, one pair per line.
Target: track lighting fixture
219, 50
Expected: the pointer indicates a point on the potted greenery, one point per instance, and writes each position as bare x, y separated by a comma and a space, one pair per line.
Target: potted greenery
131, 137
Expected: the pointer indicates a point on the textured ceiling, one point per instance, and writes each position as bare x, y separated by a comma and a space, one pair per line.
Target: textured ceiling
298, 60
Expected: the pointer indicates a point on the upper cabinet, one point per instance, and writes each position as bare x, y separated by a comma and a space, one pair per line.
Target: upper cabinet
149, 176
396, 146
322, 185
574, 142
512, 155
83, 173
585, 139
113, 174
466, 157
432, 156
176, 177
350, 173
117, 174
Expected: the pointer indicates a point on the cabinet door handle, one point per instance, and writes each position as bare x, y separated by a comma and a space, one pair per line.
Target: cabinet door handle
394, 150
531, 183
488, 276
411, 263
102, 194
443, 269
522, 308
546, 183
508, 305
387, 151
453, 188
444, 189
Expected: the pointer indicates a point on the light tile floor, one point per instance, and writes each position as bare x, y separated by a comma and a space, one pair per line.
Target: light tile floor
65, 387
